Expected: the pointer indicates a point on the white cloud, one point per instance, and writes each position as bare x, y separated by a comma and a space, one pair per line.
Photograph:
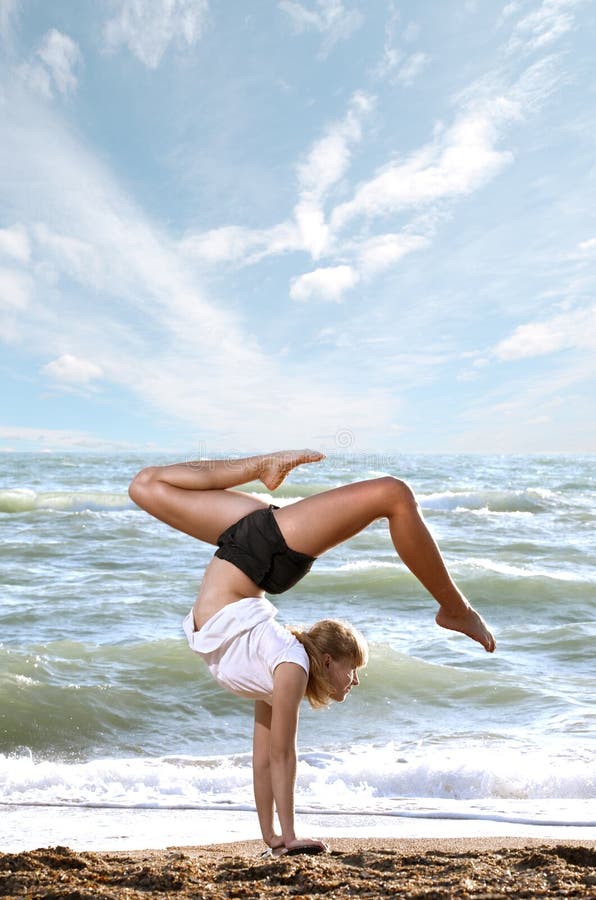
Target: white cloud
397, 65
14, 242
54, 65
330, 156
328, 284
472, 374
148, 27
331, 18
326, 163
312, 228
143, 318
74, 257
72, 370
411, 32
37, 78
323, 167
15, 297
15, 290
411, 67
543, 26
135, 267
532, 414
229, 243
379, 253
8, 13
235, 243
112, 286
458, 161
510, 9
61, 55
570, 330
391, 53
55, 438
588, 247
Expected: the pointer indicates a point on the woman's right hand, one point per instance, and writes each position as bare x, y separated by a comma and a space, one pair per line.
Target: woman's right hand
306, 845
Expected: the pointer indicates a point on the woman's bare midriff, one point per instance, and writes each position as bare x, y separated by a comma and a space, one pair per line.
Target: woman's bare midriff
222, 583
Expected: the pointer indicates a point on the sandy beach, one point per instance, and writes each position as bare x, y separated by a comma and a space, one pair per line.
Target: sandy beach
467, 868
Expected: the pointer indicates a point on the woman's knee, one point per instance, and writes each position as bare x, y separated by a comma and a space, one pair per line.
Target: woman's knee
141, 484
396, 492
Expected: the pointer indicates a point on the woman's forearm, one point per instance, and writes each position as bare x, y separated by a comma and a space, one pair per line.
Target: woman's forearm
261, 773
283, 781
264, 801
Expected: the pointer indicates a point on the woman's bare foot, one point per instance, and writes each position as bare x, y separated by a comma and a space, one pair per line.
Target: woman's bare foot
276, 466
469, 623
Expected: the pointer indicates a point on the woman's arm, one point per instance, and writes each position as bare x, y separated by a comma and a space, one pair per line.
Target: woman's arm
289, 686
261, 749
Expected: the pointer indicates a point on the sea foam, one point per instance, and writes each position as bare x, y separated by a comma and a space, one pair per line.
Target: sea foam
369, 780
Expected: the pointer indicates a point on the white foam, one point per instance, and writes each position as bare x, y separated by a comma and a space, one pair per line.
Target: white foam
485, 513
503, 568
509, 502
275, 501
498, 780
367, 565
19, 500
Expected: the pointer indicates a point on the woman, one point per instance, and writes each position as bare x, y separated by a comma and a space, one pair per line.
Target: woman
263, 548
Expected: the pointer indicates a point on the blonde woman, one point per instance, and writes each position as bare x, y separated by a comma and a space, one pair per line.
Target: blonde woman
262, 548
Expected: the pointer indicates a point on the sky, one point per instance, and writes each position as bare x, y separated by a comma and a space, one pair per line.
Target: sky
357, 226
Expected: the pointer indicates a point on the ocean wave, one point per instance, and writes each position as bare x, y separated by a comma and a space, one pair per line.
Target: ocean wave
367, 565
530, 500
513, 571
519, 504
23, 500
381, 780
68, 699
405, 688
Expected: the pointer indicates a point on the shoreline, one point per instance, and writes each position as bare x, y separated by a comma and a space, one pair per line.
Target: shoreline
97, 829
485, 867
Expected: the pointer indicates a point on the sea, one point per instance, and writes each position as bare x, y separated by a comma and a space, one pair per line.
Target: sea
113, 734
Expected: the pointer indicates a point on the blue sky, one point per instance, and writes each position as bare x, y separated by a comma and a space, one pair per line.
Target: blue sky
245, 225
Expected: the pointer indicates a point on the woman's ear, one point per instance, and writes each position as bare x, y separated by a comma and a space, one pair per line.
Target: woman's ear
327, 660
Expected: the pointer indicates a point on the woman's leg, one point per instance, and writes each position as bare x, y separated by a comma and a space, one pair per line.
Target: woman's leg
194, 497
316, 524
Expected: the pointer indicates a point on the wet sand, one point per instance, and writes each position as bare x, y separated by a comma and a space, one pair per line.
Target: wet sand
374, 868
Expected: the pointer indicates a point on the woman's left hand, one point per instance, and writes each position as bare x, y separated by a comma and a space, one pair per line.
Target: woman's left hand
275, 842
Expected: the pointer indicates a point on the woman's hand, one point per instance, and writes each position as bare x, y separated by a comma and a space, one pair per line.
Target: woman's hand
306, 845
275, 842
277, 846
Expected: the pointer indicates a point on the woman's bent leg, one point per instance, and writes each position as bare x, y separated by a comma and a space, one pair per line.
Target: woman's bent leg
318, 523
194, 497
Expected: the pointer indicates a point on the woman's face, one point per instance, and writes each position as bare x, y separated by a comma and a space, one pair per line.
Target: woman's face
342, 677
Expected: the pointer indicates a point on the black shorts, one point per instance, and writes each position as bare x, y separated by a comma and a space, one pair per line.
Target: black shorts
256, 546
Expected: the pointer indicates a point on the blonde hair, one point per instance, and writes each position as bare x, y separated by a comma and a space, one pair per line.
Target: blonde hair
340, 641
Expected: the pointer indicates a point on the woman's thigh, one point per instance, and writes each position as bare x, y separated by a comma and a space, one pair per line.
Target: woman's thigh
201, 514
316, 524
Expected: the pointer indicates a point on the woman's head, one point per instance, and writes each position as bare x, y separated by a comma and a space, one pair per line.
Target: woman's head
335, 650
